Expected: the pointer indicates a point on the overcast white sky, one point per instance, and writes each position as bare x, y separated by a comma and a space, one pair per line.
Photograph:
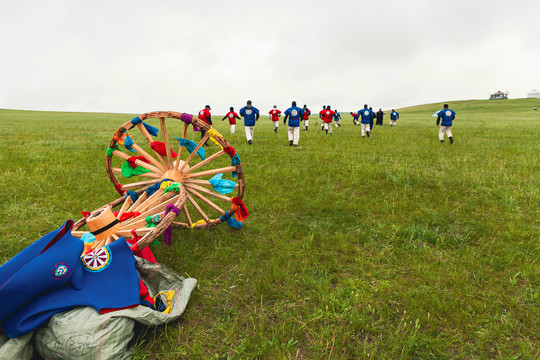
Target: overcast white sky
140, 56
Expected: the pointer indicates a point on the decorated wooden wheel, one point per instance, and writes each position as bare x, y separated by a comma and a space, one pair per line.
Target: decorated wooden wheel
213, 182
139, 216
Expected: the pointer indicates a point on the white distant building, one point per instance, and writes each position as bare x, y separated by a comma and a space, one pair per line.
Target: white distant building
534, 94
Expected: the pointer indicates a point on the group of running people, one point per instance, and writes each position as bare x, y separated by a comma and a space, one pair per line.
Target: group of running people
297, 117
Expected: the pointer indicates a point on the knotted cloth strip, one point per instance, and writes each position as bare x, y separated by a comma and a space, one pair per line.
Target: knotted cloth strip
167, 234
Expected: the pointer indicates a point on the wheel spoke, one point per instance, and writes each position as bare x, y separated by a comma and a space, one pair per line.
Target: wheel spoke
139, 184
152, 211
212, 172
148, 175
138, 202
166, 142
148, 157
149, 139
181, 147
139, 223
125, 206
206, 161
204, 182
138, 162
194, 152
186, 213
206, 200
78, 234
208, 192
197, 207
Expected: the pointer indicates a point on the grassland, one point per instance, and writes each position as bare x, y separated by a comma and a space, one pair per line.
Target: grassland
392, 247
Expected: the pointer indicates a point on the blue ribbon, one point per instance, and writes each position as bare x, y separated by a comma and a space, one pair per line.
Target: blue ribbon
222, 186
133, 195
128, 143
235, 160
190, 146
231, 221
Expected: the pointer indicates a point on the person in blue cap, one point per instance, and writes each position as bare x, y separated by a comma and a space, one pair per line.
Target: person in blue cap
367, 116
294, 114
447, 116
394, 115
250, 114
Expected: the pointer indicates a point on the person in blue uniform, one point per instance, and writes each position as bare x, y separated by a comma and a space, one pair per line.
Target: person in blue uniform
394, 115
371, 120
337, 117
294, 114
366, 116
250, 114
447, 116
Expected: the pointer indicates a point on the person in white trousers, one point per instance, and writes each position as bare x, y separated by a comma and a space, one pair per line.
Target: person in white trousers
294, 114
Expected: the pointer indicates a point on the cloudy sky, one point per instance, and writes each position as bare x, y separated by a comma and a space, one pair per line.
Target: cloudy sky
140, 56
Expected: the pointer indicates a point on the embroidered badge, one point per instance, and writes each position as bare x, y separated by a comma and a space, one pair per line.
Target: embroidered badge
60, 271
97, 260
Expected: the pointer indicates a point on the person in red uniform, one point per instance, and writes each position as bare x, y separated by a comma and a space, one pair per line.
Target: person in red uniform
328, 116
274, 116
232, 116
205, 116
354, 115
305, 117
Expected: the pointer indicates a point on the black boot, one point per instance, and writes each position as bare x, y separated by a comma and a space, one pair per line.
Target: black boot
290, 142
442, 141
250, 142
326, 131
451, 140
367, 132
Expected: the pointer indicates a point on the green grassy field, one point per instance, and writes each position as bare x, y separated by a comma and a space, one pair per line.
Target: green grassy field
392, 247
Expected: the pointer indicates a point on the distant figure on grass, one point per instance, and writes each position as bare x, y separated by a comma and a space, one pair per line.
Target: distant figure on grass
380, 116
447, 117
307, 112
337, 117
327, 117
394, 115
294, 114
232, 116
321, 117
366, 116
274, 116
205, 116
371, 120
354, 118
250, 114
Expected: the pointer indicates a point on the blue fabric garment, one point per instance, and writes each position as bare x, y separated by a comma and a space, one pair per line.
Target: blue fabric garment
133, 195
128, 143
394, 115
190, 146
447, 116
47, 264
114, 285
136, 120
232, 222
222, 186
366, 115
294, 114
249, 115
337, 116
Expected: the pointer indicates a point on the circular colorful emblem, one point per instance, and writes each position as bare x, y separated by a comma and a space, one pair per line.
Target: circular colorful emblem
448, 113
97, 260
249, 111
60, 271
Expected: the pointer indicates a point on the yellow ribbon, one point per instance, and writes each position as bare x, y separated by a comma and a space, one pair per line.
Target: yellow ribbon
212, 133
164, 184
169, 295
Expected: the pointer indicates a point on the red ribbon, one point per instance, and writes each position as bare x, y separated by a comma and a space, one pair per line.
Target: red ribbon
132, 159
241, 209
119, 189
159, 147
85, 214
229, 150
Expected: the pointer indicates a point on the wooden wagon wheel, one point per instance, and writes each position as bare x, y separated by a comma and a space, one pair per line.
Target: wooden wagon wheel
159, 164
135, 216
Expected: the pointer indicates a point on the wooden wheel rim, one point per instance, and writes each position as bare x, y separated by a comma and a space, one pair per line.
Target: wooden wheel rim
193, 189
